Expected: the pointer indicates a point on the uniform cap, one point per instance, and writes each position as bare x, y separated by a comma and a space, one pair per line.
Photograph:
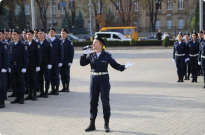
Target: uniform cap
15, 30
29, 31
35, 29
186, 34
99, 39
1, 31
6, 30
180, 33
64, 30
51, 29
40, 30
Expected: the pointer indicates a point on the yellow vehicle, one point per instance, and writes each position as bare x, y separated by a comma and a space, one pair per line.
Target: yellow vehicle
127, 31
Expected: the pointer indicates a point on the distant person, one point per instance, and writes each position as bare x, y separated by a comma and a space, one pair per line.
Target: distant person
159, 35
165, 35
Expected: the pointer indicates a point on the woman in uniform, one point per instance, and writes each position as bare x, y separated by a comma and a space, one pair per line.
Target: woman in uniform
99, 80
180, 56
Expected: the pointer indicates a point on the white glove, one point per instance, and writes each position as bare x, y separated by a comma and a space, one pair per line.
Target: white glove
174, 60
128, 64
3, 70
87, 51
69, 64
9, 70
60, 64
49, 66
23, 70
199, 63
38, 69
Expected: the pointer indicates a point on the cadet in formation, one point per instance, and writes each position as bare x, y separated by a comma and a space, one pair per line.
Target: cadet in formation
99, 83
187, 64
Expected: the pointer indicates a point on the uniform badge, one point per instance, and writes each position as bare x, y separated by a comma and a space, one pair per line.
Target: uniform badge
25, 47
5, 46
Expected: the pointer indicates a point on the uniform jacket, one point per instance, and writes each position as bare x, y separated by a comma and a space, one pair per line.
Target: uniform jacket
193, 48
180, 49
100, 64
4, 55
68, 51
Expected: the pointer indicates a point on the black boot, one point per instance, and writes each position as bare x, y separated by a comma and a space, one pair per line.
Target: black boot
63, 90
106, 126
29, 97
21, 99
185, 78
179, 78
204, 84
195, 78
2, 103
57, 90
34, 97
12, 95
67, 88
52, 91
182, 77
46, 94
16, 100
91, 127
188, 76
41, 94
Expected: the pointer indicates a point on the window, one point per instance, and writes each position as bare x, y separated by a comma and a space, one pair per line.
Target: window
62, 10
104, 35
169, 24
27, 8
181, 4
158, 5
169, 5
136, 6
118, 4
116, 36
180, 23
157, 25
18, 9
54, 8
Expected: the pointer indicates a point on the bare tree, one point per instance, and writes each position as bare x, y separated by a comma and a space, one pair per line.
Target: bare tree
43, 6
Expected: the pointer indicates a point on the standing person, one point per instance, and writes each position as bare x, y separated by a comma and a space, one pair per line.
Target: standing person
68, 59
4, 64
34, 58
201, 58
7, 38
165, 35
36, 35
46, 65
180, 56
200, 40
193, 52
57, 61
24, 37
100, 84
159, 35
18, 65
187, 64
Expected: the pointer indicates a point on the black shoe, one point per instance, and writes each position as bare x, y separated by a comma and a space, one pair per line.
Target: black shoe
52, 91
56, 91
67, 90
185, 78
12, 95
34, 97
41, 94
193, 79
91, 127
63, 90
46, 94
182, 77
29, 97
2, 104
16, 100
179, 78
196, 79
107, 129
188, 77
21, 99
204, 84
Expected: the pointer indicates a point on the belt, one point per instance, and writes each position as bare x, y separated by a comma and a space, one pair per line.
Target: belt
99, 73
193, 55
202, 56
179, 54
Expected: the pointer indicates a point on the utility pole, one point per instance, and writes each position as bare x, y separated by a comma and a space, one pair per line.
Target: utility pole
33, 14
51, 2
91, 24
200, 14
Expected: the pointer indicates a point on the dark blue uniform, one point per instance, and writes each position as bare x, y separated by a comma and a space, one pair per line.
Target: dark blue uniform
4, 64
55, 71
201, 57
179, 55
35, 59
187, 67
99, 84
18, 61
47, 59
193, 53
199, 66
65, 69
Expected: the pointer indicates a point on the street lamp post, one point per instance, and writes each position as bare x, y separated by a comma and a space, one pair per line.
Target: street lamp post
33, 14
200, 14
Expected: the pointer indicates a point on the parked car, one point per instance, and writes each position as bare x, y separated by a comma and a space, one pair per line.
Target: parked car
112, 36
83, 36
71, 37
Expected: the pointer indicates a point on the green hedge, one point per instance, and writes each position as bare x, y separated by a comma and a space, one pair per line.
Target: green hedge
126, 43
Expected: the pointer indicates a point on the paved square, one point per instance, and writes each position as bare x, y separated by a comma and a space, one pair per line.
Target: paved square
145, 100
